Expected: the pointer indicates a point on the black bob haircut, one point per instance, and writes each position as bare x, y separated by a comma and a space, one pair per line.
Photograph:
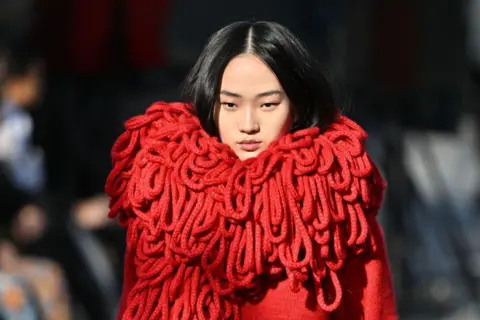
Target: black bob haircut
297, 71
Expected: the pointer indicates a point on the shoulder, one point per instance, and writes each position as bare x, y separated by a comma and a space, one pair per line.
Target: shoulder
157, 124
157, 119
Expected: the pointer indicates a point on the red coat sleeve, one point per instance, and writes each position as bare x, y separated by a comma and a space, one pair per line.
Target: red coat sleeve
367, 283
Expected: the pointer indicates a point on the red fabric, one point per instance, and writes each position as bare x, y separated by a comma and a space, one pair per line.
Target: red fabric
281, 303
129, 280
367, 287
367, 284
208, 233
88, 44
76, 35
366, 281
146, 32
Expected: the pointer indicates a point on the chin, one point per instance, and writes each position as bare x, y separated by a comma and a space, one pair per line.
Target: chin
244, 155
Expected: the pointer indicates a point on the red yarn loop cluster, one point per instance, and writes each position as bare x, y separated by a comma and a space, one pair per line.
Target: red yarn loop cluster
205, 226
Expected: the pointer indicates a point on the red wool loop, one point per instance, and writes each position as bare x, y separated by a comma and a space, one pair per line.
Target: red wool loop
204, 225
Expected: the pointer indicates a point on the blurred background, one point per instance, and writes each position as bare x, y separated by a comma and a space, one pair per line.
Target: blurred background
72, 71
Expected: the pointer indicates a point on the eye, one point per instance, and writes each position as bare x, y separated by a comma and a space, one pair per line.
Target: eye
229, 105
269, 105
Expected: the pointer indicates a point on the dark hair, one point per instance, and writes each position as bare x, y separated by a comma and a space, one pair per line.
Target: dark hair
297, 71
16, 62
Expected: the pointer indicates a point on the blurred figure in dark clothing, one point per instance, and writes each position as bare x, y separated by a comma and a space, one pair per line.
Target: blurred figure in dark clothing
23, 220
32, 218
21, 163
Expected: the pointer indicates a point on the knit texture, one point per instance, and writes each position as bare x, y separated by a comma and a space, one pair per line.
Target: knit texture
204, 227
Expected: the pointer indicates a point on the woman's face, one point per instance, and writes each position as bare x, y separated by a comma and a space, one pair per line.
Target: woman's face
253, 109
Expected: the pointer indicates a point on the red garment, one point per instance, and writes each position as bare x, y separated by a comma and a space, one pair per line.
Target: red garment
366, 283
209, 234
91, 36
88, 41
367, 287
146, 36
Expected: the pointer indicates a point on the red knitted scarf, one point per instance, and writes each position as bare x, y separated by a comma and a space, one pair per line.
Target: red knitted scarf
204, 225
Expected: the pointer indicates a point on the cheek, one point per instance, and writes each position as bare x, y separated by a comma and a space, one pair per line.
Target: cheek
225, 128
281, 126
287, 125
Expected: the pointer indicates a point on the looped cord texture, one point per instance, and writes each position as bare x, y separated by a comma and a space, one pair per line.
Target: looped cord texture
204, 225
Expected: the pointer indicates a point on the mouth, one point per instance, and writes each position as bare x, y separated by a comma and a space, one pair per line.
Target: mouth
249, 145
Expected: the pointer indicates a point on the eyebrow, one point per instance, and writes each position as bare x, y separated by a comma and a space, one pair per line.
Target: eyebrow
260, 95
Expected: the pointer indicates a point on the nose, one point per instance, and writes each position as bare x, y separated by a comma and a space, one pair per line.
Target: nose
249, 122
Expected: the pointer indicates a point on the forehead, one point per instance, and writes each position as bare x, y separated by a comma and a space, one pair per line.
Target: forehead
247, 73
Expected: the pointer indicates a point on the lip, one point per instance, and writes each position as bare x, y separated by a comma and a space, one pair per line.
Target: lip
249, 145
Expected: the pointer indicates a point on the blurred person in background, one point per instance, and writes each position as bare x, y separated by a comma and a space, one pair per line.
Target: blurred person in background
16, 299
23, 220
31, 222
21, 162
